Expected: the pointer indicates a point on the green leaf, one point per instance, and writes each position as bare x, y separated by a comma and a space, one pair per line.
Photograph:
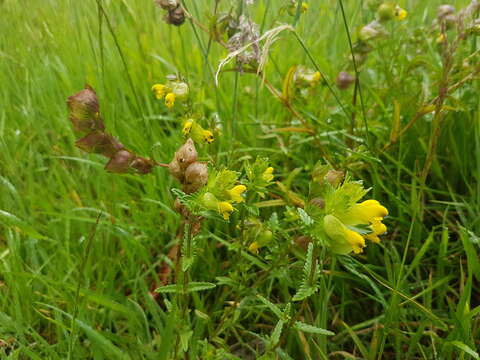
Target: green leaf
274, 308
306, 219
276, 333
465, 348
192, 287
185, 339
311, 329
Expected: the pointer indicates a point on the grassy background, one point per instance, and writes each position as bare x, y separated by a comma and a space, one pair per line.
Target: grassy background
414, 296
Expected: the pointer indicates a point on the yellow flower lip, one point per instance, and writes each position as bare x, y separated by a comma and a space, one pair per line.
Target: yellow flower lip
355, 240
370, 209
268, 174
208, 136
253, 247
236, 192
187, 127
170, 100
225, 208
401, 14
159, 90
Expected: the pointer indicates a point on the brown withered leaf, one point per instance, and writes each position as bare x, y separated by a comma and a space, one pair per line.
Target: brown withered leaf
84, 110
120, 162
143, 165
99, 142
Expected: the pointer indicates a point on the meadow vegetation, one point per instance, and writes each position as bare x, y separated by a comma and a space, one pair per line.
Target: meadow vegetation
239, 179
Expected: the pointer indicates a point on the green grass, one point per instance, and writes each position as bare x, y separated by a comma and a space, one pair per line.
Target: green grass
413, 296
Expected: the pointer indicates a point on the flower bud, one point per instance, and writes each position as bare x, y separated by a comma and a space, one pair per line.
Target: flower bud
186, 154
196, 176
264, 237
180, 89
371, 31
344, 80
385, 12
99, 142
84, 111
210, 201
120, 162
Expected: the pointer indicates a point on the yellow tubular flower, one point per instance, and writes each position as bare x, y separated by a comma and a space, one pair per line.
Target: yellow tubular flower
159, 90
253, 247
316, 76
236, 192
378, 228
366, 211
207, 136
268, 174
187, 127
304, 7
342, 240
400, 14
170, 100
225, 208
355, 240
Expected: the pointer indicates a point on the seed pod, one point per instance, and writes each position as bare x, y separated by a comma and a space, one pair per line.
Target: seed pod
167, 4
386, 11
334, 177
99, 142
120, 162
186, 154
318, 202
344, 80
196, 176
176, 16
175, 170
445, 10
84, 111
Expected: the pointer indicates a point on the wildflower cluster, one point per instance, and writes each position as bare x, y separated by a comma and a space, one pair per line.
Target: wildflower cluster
200, 135
259, 176
341, 221
221, 192
172, 91
84, 113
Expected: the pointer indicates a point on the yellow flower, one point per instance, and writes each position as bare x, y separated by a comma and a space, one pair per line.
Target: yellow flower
304, 7
225, 208
400, 13
207, 136
159, 90
187, 127
441, 38
236, 192
356, 240
316, 76
268, 174
170, 100
367, 211
343, 240
253, 247
378, 228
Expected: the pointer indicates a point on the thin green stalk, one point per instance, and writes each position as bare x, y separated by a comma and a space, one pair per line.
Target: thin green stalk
86, 254
122, 56
330, 88
357, 78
